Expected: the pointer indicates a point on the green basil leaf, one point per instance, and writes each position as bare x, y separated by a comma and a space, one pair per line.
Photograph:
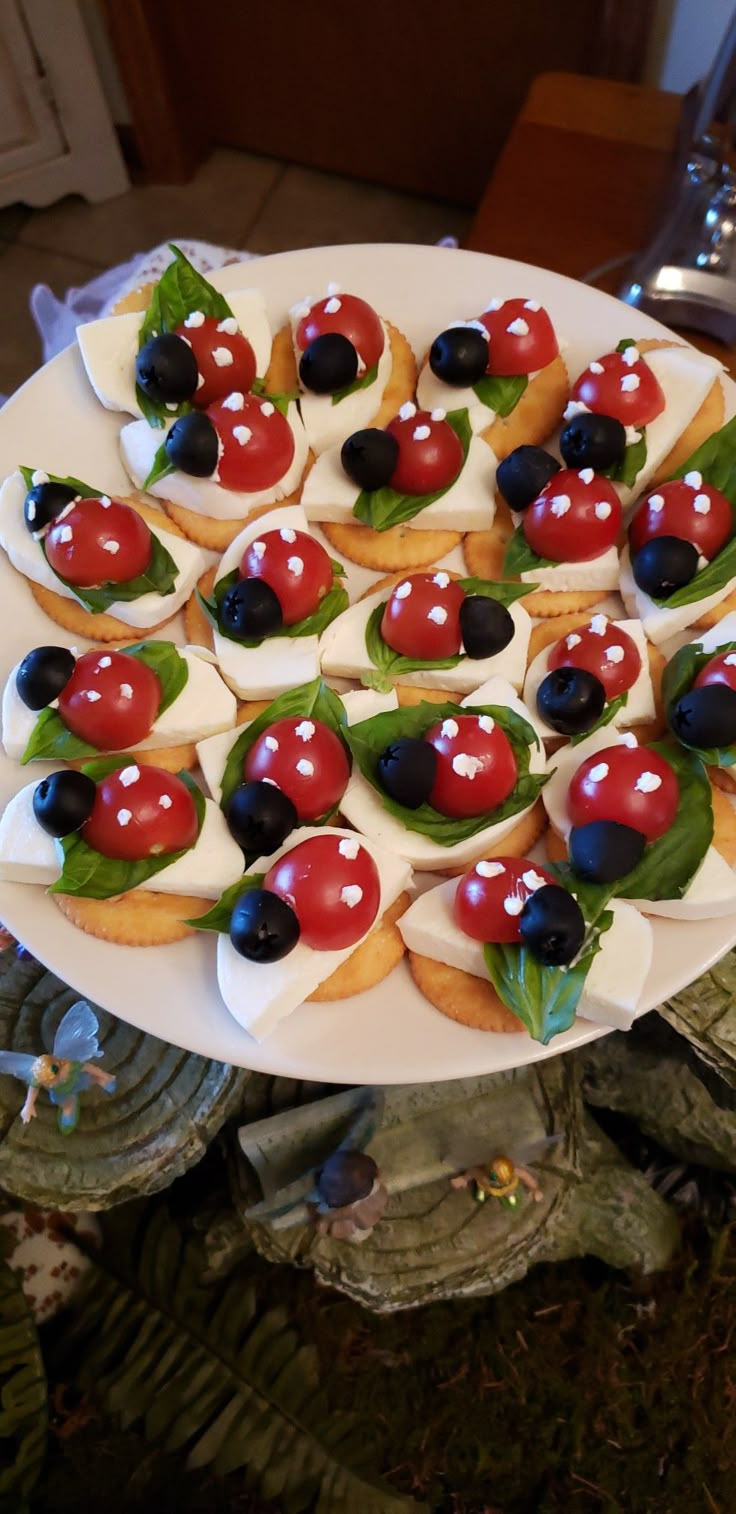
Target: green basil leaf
383, 508
545, 999
610, 709
218, 918
626, 341
521, 558
51, 741
716, 460
506, 593
166, 661
368, 738
635, 456
311, 701
669, 865
86, 874
679, 677
333, 604
500, 393
160, 467
280, 401
369, 377
159, 578
179, 291
338, 568
83, 490
392, 664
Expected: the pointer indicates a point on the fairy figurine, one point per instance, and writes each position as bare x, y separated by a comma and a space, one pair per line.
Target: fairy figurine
64, 1072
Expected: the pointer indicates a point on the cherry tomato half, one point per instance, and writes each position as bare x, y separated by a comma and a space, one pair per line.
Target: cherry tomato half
111, 700
490, 898
422, 616
294, 565
333, 887
630, 784
430, 453
603, 649
476, 766
257, 442
141, 812
225, 358
688, 508
98, 541
720, 669
623, 385
522, 337
576, 517
351, 317
306, 760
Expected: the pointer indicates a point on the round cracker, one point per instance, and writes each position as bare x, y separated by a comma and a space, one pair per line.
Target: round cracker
140, 918
707, 419
217, 535
198, 630
135, 299
400, 385
517, 843
461, 996
409, 694
250, 709
537, 414
173, 759
371, 962
714, 616
723, 778
550, 631
484, 552
396, 550
392, 579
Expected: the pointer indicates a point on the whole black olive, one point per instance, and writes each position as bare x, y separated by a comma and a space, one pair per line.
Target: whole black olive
62, 802
571, 700
192, 445
166, 369
263, 927
329, 363
604, 850
43, 503
485, 626
250, 610
406, 770
369, 457
260, 817
459, 356
523, 474
43, 674
663, 565
552, 925
705, 717
593, 441
345, 1178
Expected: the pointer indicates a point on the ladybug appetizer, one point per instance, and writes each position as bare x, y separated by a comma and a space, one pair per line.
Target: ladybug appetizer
96, 564
302, 915
152, 697
190, 347
596, 674
568, 536
353, 368
503, 367
699, 693
493, 949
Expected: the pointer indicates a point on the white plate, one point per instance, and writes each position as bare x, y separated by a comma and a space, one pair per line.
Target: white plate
391, 1034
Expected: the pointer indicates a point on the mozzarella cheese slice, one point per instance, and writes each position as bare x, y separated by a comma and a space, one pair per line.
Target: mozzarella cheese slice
260, 995
28, 855
27, 556
639, 705
468, 505
139, 444
343, 652
362, 805
718, 636
433, 393
596, 573
204, 706
327, 425
614, 983
109, 348
213, 753
659, 623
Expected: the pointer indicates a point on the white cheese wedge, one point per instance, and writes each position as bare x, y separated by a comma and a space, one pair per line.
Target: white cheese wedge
327, 425
215, 750
686, 377
562, 767
204, 706
139, 444
362, 805
468, 505
27, 556
718, 636
260, 995
640, 703
28, 855
597, 573
614, 983
343, 652
433, 394
659, 623
109, 348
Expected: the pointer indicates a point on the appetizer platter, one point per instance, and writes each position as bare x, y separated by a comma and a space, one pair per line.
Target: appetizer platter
369, 663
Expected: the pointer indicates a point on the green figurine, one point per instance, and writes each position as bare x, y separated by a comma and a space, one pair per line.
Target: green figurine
66, 1071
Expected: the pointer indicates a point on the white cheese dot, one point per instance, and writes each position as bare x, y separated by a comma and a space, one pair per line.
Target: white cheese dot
242, 435
438, 614
701, 504
630, 355
450, 728
348, 848
332, 306
287, 533
165, 802
421, 433
333, 288
31, 510
437, 415
486, 723
104, 662
647, 783
598, 625
473, 326
65, 534
39, 477
271, 743
268, 408
495, 304
295, 565
586, 475
92, 695
126, 691
130, 775
407, 411
518, 327
628, 739
532, 305
573, 408
124, 817
234, 401
513, 905
113, 547
599, 772
466, 766
272, 782
702, 563
305, 767
351, 894
403, 591
441, 580
655, 502
560, 504
195, 318
305, 730
229, 325
258, 548
489, 869
632, 435
694, 479
200, 381
533, 880
105, 501
596, 368
630, 381
572, 640
222, 356
615, 654
730, 661
602, 509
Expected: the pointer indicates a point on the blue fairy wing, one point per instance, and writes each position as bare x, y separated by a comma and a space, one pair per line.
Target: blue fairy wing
76, 1036
17, 1064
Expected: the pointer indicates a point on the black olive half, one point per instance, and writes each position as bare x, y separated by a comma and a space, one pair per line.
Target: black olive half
523, 474
593, 441
43, 674
62, 802
486, 626
43, 503
407, 769
260, 816
345, 1178
192, 445
705, 717
369, 457
329, 363
250, 610
166, 369
459, 356
552, 925
604, 850
571, 700
663, 565
263, 927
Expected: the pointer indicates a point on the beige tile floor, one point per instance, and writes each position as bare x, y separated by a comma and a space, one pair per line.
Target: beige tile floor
236, 198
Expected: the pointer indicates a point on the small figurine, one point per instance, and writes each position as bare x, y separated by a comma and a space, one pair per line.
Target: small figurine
66, 1071
499, 1180
350, 1197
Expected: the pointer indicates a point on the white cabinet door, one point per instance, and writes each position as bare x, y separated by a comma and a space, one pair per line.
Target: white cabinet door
29, 132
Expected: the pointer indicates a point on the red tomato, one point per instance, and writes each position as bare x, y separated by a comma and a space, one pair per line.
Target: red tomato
351, 317
306, 760
476, 766
522, 337
234, 367
98, 541
256, 440
111, 700
623, 385
720, 669
576, 517
141, 812
631, 784
603, 649
688, 508
490, 898
294, 565
333, 887
422, 616
430, 453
